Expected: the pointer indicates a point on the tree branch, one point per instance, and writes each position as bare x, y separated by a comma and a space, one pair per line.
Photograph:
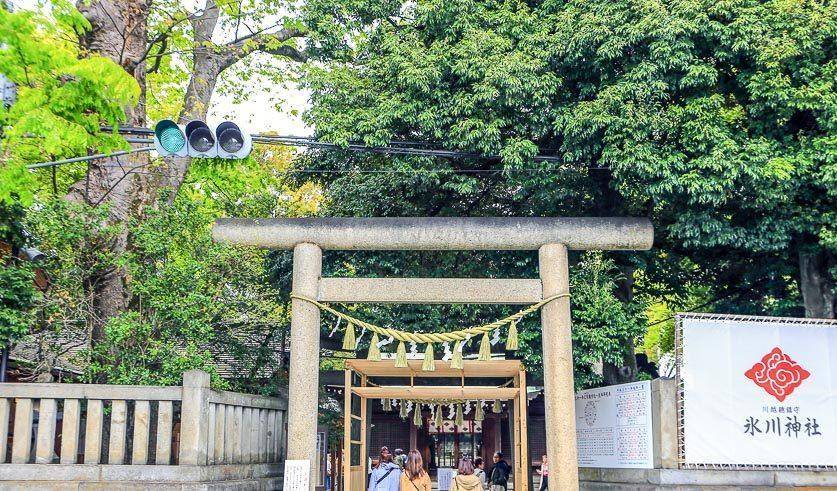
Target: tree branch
272, 43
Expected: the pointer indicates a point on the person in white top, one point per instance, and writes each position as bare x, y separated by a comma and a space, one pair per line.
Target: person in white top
479, 470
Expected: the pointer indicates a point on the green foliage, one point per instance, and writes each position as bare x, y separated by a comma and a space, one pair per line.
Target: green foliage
17, 290
62, 98
141, 352
194, 303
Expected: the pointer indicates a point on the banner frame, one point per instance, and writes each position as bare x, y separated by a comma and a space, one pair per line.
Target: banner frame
681, 417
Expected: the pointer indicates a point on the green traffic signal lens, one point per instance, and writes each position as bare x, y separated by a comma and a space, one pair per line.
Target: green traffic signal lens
170, 137
172, 140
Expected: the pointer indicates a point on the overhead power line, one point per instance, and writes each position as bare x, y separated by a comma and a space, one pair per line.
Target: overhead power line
395, 147
87, 158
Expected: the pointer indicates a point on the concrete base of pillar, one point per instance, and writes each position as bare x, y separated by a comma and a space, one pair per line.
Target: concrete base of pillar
702, 480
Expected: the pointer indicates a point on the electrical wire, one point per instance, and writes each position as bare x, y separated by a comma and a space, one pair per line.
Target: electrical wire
88, 158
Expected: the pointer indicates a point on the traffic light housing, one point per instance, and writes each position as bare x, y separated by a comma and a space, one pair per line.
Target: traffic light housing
197, 139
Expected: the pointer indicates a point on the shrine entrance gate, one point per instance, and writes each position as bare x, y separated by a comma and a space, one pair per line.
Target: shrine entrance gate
551, 237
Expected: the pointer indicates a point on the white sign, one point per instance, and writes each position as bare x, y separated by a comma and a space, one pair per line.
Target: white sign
758, 391
297, 475
613, 426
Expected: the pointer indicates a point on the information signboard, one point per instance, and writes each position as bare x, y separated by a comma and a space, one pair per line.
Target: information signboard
613, 426
297, 475
758, 391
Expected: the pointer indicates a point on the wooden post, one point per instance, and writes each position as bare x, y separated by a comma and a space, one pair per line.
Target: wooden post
364, 452
514, 413
347, 430
524, 432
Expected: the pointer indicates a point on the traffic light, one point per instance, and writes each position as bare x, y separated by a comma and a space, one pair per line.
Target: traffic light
196, 139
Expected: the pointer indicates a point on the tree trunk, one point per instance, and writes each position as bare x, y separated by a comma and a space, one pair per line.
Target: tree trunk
816, 283
118, 32
206, 67
626, 371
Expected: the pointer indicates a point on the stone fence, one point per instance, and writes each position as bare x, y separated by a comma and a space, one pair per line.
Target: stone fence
78, 436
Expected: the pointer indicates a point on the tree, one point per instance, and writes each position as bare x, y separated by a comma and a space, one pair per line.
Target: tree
129, 57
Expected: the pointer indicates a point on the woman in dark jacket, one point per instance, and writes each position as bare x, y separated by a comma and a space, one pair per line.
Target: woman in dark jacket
499, 474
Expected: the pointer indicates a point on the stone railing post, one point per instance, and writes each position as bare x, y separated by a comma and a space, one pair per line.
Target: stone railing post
194, 418
664, 418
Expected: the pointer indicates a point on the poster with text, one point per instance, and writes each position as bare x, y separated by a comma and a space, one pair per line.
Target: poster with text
613, 426
759, 391
297, 475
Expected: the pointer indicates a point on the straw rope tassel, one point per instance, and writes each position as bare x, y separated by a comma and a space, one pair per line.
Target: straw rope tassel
429, 364
460, 419
401, 356
403, 410
417, 415
439, 422
374, 350
485, 348
387, 405
349, 340
512, 342
479, 415
456, 360
497, 408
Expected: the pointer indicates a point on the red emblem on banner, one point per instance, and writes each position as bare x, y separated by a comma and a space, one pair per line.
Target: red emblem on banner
777, 374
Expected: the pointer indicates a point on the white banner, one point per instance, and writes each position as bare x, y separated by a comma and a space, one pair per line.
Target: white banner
758, 391
613, 426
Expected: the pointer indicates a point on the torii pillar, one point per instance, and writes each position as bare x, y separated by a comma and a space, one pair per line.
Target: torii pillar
551, 237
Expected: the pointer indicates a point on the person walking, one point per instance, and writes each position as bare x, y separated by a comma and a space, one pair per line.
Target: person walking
414, 478
544, 472
499, 480
385, 477
465, 480
479, 471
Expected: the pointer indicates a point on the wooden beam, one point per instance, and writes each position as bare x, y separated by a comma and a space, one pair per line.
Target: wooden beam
470, 369
430, 290
437, 392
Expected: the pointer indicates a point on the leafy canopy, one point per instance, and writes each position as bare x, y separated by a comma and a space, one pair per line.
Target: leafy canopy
62, 97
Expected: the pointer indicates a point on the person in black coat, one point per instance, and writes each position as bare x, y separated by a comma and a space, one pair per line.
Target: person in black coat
499, 479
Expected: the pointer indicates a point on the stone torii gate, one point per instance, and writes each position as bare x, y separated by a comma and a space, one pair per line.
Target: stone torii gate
551, 237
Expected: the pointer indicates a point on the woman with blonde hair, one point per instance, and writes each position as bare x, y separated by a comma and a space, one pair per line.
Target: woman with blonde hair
465, 480
414, 478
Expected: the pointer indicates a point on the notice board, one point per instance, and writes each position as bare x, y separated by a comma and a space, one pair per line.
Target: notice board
613, 426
